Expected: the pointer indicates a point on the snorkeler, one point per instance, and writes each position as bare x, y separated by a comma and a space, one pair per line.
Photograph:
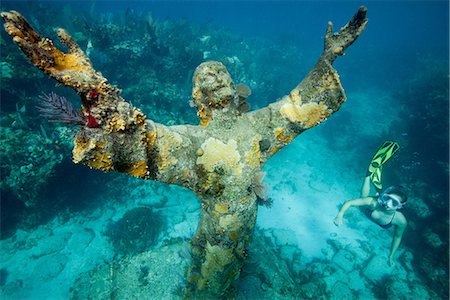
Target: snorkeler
383, 208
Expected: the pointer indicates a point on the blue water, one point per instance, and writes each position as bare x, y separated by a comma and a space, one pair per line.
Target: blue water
396, 80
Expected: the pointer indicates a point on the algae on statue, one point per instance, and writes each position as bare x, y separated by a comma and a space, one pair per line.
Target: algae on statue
218, 159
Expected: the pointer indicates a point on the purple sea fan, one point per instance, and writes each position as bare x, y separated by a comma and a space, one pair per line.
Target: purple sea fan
58, 109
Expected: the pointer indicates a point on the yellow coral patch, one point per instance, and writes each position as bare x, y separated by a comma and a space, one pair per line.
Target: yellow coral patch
295, 97
221, 207
218, 154
116, 123
338, 50
230, 222
92, 154
137, 169
309, 114
282, 137
289, 111
151, 139
101, 161
275, 149
103, 87
65, 62
139, 117
253, 157
165, 159
81, 147
205, 115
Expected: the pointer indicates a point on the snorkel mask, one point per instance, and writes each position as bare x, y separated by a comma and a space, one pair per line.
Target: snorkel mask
393, 198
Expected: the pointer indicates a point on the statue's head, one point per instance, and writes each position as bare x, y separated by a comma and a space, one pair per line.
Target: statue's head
213, 89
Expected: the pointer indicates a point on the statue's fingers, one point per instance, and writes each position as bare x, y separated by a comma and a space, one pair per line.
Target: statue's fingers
13, 31
359, 19
68, 41
16, 25
329, 29
40, 55
23, 44
357, 24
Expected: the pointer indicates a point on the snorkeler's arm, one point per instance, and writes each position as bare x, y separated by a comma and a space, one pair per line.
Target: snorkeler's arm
117, 136
356, 202
400, 224
318, 96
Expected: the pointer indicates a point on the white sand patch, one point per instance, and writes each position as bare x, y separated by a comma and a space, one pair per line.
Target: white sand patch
307, 194
371, 110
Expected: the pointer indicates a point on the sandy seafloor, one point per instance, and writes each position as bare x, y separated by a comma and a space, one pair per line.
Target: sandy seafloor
307, 181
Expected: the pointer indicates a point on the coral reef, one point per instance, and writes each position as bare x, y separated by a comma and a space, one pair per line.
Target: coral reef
217, 159
27, 159
6, 70
136, 231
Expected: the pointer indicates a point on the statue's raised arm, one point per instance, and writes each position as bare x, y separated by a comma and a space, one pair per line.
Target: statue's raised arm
72, 69
312, 101
116, 136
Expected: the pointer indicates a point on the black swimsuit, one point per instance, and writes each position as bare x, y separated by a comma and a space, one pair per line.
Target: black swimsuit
369, 213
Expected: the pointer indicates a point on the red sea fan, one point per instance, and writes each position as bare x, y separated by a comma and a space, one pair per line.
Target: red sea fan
58, 109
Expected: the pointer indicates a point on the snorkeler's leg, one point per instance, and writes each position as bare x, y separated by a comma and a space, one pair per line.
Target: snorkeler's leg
365, 189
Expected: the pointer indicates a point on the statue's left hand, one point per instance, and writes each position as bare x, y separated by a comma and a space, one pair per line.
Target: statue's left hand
336, 43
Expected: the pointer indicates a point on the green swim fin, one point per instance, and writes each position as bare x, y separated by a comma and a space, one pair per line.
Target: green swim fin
381, 156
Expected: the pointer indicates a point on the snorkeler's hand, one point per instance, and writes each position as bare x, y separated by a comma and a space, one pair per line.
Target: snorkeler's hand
338, 220
72, 69
391, 261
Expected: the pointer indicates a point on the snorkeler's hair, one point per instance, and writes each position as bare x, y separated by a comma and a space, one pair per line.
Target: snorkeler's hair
397, 190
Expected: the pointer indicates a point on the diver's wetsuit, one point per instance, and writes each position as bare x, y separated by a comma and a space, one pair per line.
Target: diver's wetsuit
368, 212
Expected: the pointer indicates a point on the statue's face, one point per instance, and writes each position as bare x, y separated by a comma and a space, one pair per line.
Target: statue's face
213, 87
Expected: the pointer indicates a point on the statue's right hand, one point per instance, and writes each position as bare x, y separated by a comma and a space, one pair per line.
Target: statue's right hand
72, 69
